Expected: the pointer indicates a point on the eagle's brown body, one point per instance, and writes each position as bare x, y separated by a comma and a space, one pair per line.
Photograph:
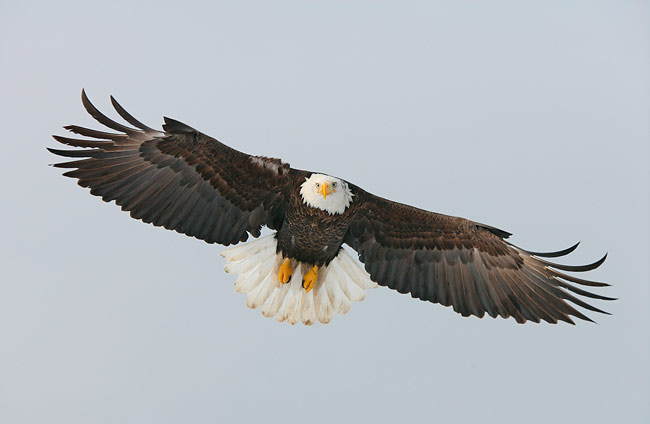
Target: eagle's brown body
183, 180
309, 235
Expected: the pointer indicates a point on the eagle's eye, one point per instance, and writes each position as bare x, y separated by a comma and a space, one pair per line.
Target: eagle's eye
318, 185
334, 185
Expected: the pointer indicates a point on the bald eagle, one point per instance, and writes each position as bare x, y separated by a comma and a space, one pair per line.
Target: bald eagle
186, 181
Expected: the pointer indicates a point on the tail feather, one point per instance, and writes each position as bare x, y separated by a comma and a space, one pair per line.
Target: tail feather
250, 279
339, 284
260, 294
322, 307
352, 291
308, 311
357, 274
289, 299
337, 296
246, 250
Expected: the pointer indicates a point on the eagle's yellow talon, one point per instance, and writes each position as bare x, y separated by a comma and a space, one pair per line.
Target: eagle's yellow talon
310, 279
284, 274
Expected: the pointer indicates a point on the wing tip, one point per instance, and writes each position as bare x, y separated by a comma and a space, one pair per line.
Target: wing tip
58, 153
555, 254
174, 126
496, 231
574, 268
84, 97
128, 117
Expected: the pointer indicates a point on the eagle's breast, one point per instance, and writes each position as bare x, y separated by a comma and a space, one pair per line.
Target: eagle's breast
312, 235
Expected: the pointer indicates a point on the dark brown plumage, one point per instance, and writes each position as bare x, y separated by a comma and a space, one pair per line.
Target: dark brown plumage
460, 263
183, 180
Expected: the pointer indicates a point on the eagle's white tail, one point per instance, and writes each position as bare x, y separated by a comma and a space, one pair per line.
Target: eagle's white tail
256, 263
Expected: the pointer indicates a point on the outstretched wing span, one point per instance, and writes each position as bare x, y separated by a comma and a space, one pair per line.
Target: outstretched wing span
178, 178
463, 264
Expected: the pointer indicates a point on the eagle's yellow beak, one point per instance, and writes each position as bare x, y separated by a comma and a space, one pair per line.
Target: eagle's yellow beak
325, 190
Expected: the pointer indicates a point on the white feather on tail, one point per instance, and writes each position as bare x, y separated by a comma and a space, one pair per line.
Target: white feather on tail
256, 264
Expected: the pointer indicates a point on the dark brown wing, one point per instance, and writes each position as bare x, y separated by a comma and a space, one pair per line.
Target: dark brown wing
178, 178
457, 262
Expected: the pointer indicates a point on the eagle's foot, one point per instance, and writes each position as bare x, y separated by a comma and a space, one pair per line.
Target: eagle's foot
310, 279
284, 274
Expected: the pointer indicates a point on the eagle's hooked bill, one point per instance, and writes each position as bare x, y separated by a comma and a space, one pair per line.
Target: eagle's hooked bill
183, 180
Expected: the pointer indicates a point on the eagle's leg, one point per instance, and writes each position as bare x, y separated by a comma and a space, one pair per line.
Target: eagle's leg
284, 274
310, 279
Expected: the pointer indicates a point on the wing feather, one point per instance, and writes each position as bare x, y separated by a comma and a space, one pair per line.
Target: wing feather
465, 265
177, 178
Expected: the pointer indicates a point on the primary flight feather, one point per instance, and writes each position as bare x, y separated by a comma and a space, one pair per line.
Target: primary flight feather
183, 180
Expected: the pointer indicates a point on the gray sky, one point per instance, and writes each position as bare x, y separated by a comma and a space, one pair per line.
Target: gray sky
530, 116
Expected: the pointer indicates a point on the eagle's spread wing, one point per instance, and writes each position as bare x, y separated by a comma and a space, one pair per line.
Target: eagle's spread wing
457, 262
178, 178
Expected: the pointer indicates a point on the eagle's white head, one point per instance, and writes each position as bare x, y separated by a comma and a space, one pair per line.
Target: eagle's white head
328, 193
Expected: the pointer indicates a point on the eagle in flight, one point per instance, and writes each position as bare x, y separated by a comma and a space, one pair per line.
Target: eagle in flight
184, 180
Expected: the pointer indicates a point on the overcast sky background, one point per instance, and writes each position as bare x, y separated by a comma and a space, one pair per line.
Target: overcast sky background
530, 116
